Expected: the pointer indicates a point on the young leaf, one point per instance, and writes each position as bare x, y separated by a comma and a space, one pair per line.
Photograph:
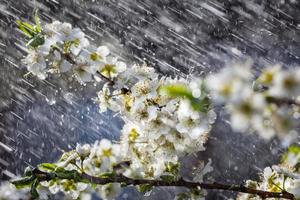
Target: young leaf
26, 28
23, 182
28, 171
33, 191
59, 169
38, 26
72, 174
47, 167
176, 90
201, 105
36, 40
294, 149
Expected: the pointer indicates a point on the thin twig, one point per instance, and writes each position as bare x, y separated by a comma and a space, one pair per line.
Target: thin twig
111, 82
283, 101
44, 176
187, 184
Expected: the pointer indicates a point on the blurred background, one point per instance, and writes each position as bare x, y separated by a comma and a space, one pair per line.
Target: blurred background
41, 119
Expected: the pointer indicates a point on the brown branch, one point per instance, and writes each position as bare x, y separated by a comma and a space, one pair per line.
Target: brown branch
282, 101
187, 184
111, 82
44, 176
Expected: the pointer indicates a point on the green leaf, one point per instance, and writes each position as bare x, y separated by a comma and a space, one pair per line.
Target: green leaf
47, 167
61, 173
176, 90
28, 171
144, 188
59, 169
36, 41
33, 191
26, 28
68, 174
201, 105
30, 30
294, 149
38, 27
23, 182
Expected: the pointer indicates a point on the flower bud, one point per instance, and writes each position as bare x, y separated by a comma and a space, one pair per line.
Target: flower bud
83, 150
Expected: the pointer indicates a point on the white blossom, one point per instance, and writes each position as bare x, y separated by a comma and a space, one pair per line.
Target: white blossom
109, 191
9, 192
83, 150
36, 64
69, 187
161, 126
294, 188
286, 84
104, 155
230, 82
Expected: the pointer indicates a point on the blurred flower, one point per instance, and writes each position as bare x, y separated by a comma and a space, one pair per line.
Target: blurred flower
286, 84
109, 191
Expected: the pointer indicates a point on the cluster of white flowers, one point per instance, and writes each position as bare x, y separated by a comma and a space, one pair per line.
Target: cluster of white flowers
258, 104
70, 188
158, 128
279, 178
102, 156
67, 49
95, 160
105, 159
281, 83
165, 118
10, 192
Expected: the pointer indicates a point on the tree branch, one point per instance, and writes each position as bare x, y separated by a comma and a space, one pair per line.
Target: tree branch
83, 177
282, 101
